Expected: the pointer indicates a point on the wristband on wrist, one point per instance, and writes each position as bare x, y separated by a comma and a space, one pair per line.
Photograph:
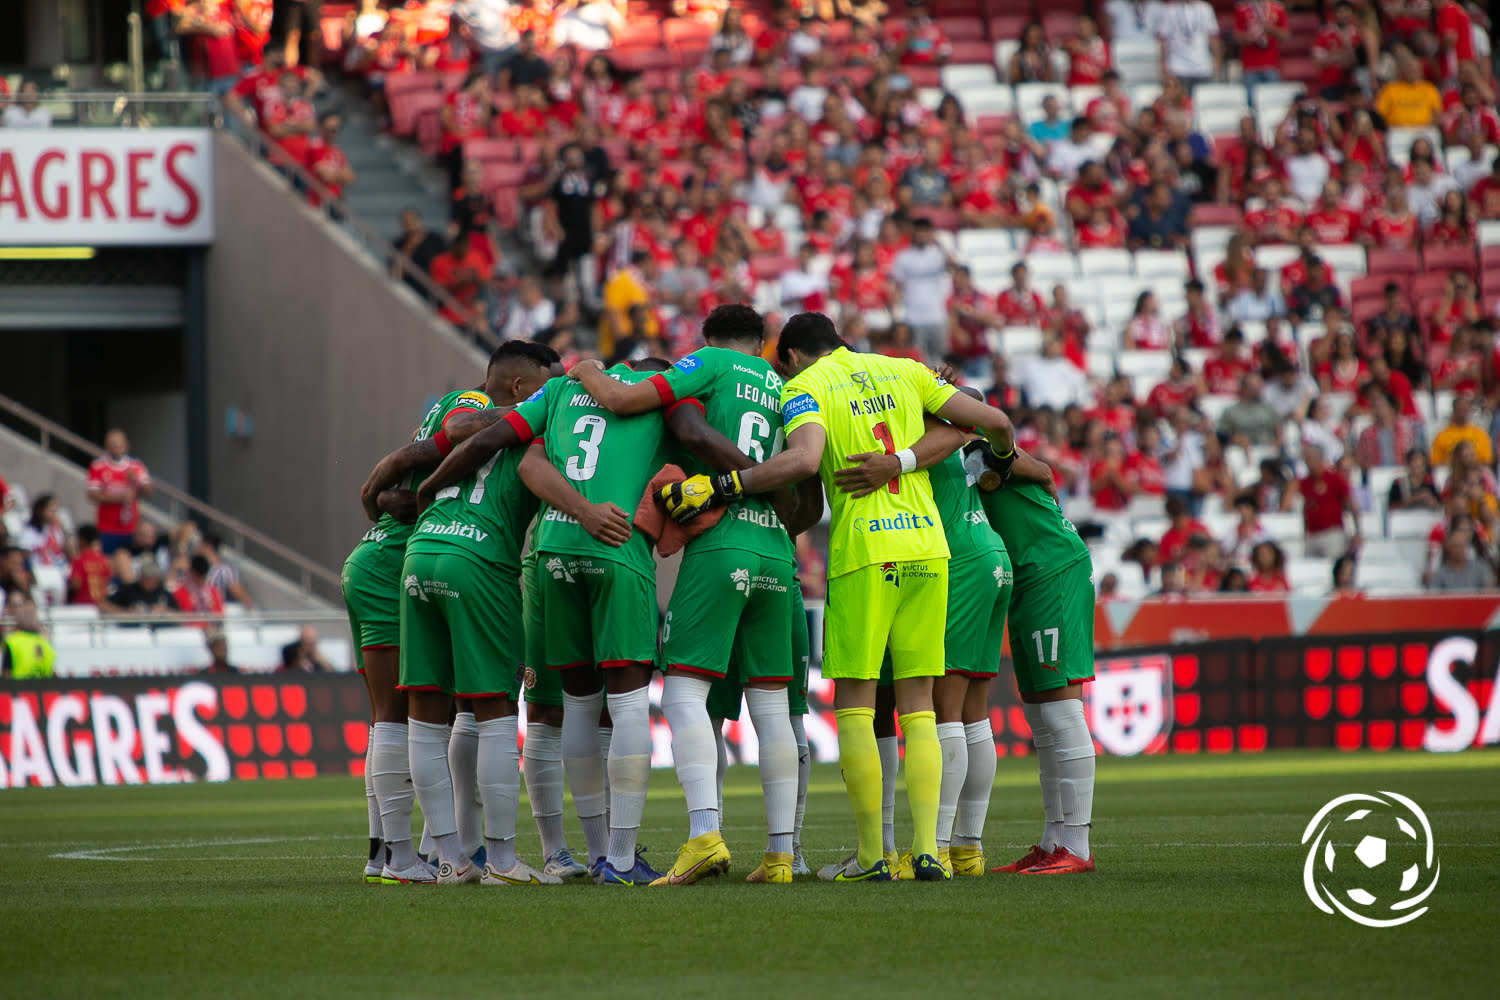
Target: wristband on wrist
908, 460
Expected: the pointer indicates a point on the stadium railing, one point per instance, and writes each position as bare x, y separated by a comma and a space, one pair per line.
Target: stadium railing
54, 439
124, 109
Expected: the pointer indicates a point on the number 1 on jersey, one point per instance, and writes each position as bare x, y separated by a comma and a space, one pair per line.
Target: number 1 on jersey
883, 435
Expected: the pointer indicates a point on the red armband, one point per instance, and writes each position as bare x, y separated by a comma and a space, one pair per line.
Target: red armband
690, 401
518, 423
664, 390
444, 446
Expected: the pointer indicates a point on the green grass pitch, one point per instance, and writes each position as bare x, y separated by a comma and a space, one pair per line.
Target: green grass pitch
254, 890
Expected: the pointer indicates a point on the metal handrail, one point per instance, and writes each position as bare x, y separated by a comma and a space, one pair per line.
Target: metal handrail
337, 212
313, 579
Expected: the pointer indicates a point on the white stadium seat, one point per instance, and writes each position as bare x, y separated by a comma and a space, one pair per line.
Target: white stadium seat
1221, 95
1162, 264
962, 76
1310, 576
1047, 269
977, 241
992, 100
1410, 523
1102, 263
1021, 341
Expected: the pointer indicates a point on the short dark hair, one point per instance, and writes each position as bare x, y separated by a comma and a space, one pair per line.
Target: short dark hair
734, 323
921, 222
524, 350
810, 333
649, 365
199, 565
88, 534
1193, 285
213, 541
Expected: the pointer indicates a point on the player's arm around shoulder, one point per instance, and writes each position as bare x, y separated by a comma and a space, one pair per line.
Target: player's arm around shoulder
873, 469
606, 522
620, 398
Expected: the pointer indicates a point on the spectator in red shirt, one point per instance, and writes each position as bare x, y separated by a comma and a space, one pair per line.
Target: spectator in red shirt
1331, 223
115, 482
1268, 569
88, 582
1112, 484
1020, 304
465, 115
1260, 26
1338, 49
1453, 226
1392, 226
212, 59
1184, 526
1326, 497
194, 594
1224, 371
289, 118
1088, 54
1199, 327
461, 271
326, 161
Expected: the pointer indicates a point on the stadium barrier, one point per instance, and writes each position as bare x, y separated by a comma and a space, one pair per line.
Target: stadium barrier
1430, 687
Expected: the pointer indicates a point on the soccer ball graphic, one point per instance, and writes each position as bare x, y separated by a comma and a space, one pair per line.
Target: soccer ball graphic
1371, 858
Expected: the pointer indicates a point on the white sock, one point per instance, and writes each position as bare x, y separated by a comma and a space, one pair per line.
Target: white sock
684, 702
778, 764
389, 762
955, 770
543, 768
463, 763
1046, 762
721, 761
426, 847
804, 772
890, 763
585, 768
605, 736
500, 788
629, 773
372, 804
979, 780
1075, 772
428, 744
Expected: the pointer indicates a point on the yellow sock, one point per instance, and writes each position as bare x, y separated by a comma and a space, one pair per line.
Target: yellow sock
924, 778
860, 759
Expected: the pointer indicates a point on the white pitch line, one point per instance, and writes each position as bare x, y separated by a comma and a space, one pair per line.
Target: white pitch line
122, 852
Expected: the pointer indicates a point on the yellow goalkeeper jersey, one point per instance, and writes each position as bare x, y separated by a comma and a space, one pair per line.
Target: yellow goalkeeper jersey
868, 402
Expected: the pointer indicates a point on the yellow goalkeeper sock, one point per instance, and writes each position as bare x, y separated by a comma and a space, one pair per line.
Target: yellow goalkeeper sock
924, 779
860, 759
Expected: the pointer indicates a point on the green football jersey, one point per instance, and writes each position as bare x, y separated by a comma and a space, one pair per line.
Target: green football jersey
485, 516
1042, 542
965, 525
389, 533
741, 399
607, 458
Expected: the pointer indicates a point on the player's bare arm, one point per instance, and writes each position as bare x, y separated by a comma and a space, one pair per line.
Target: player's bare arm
798, 460
719, 453
605, 522
423, 454
1030, 469
992, 423
874, 469
400, 504
465, 460
612, 394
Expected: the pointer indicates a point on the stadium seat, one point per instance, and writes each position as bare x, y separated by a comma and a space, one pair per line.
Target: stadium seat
1448, 259
1029, 97
1274, 256
1489, 233
1347, 261
1152, 264
1143, 95
1151, 365
1310, 576
974, 242
1221, 95
1021, 341
1047, 269
126, 638
1398, 142
995, 99
1100, 263
179, 636
1391, 263
1006, 47
1410, 523
965, 76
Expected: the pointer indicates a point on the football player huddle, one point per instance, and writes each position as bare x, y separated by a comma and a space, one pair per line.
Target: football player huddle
513, 559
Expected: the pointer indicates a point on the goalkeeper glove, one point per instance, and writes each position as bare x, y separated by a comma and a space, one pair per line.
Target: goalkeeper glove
996, 467
696, 494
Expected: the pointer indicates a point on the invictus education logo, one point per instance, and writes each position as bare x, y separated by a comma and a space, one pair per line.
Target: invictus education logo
889, 574
740, 578
1372, 850
413, 586
558, 570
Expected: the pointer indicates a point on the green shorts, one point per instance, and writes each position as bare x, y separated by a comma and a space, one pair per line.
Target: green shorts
724, 695
595, 612
731, 608
540, 686
894, 603
979, 591
371, 581
1052, 629
461, 627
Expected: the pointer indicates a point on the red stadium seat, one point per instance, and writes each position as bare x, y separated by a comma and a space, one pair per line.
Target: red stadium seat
507, 205
924, 76
1428, 285
503, 174
1489, 282
769, 267
1214, 214
972, 51
430, 131
1457, 258
490, 150
1392, 262
1007, 27
1372, 289
406, 107
1489, 258
962, 29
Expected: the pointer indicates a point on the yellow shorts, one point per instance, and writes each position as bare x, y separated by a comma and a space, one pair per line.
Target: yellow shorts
903, 605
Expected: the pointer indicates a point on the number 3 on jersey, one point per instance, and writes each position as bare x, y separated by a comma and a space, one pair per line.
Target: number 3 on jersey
590, 431
883, 435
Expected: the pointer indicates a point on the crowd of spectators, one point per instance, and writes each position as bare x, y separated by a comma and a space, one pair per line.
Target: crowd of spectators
119, 562
795, 160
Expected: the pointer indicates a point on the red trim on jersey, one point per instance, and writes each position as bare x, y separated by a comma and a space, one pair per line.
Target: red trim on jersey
983, 675
568, 666
668, 397
522, 428
698, 671
441, 442
420, 687
383, 645
483, 694
690, 401
616, 664
769, 680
